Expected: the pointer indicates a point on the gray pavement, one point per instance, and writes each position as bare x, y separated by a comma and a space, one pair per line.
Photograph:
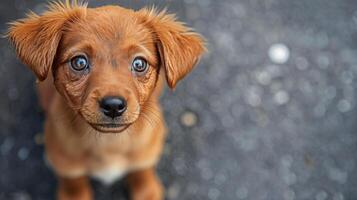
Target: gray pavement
269, 113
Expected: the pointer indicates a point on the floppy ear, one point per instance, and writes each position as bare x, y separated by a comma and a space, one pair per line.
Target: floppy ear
179, 47
36, 38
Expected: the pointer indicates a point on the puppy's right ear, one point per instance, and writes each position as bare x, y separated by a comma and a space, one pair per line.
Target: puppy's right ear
36, 38
179, 47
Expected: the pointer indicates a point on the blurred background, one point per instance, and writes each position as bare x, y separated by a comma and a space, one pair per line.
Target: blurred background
269, 113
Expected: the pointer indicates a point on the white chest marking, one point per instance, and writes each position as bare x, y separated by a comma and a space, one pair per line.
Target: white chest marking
109, 175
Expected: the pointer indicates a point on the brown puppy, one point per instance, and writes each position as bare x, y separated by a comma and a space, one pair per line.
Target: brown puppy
102, 71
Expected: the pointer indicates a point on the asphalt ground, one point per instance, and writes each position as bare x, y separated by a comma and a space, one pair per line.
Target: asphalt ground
268, 114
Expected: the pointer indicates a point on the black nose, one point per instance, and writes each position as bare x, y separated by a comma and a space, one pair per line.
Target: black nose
113, 106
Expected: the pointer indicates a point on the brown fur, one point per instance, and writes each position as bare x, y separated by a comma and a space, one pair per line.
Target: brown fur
111, 36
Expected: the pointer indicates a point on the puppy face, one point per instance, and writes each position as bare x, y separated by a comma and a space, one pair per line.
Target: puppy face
107, 66
106, 61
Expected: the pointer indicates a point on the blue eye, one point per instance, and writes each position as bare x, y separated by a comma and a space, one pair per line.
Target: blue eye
139, 65
79, 63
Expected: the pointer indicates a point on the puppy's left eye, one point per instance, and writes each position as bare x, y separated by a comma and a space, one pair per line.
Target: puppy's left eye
79, 63
139, 65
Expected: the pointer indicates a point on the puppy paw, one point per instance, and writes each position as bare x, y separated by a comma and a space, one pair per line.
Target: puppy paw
81, 195
74, 189
145, 185
149, 191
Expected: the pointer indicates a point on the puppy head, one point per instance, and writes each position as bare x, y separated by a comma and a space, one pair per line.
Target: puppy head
106, 61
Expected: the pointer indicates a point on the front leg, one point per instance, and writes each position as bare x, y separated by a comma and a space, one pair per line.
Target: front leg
145, 185
74, 189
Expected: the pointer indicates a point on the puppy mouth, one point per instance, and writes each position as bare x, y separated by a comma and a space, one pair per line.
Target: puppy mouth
110, 127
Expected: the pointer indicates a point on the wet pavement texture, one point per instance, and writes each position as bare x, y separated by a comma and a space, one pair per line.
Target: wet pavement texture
268, 114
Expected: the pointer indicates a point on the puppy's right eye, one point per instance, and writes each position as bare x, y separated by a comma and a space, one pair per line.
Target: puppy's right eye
79, 63
139, 65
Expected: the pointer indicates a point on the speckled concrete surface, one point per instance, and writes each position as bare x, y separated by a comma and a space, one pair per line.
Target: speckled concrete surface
269, 114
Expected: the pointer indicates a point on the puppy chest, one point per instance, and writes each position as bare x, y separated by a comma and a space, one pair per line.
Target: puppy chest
109, 174
116, 168
108, 168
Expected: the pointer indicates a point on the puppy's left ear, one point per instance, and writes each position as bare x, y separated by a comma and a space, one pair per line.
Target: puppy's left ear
36, 38
179, 47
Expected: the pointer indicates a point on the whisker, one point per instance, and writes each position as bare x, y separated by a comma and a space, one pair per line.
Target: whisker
153, 111
147, 118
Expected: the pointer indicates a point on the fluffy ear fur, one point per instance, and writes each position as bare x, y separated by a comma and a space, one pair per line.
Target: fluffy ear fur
36, 38
180, 48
